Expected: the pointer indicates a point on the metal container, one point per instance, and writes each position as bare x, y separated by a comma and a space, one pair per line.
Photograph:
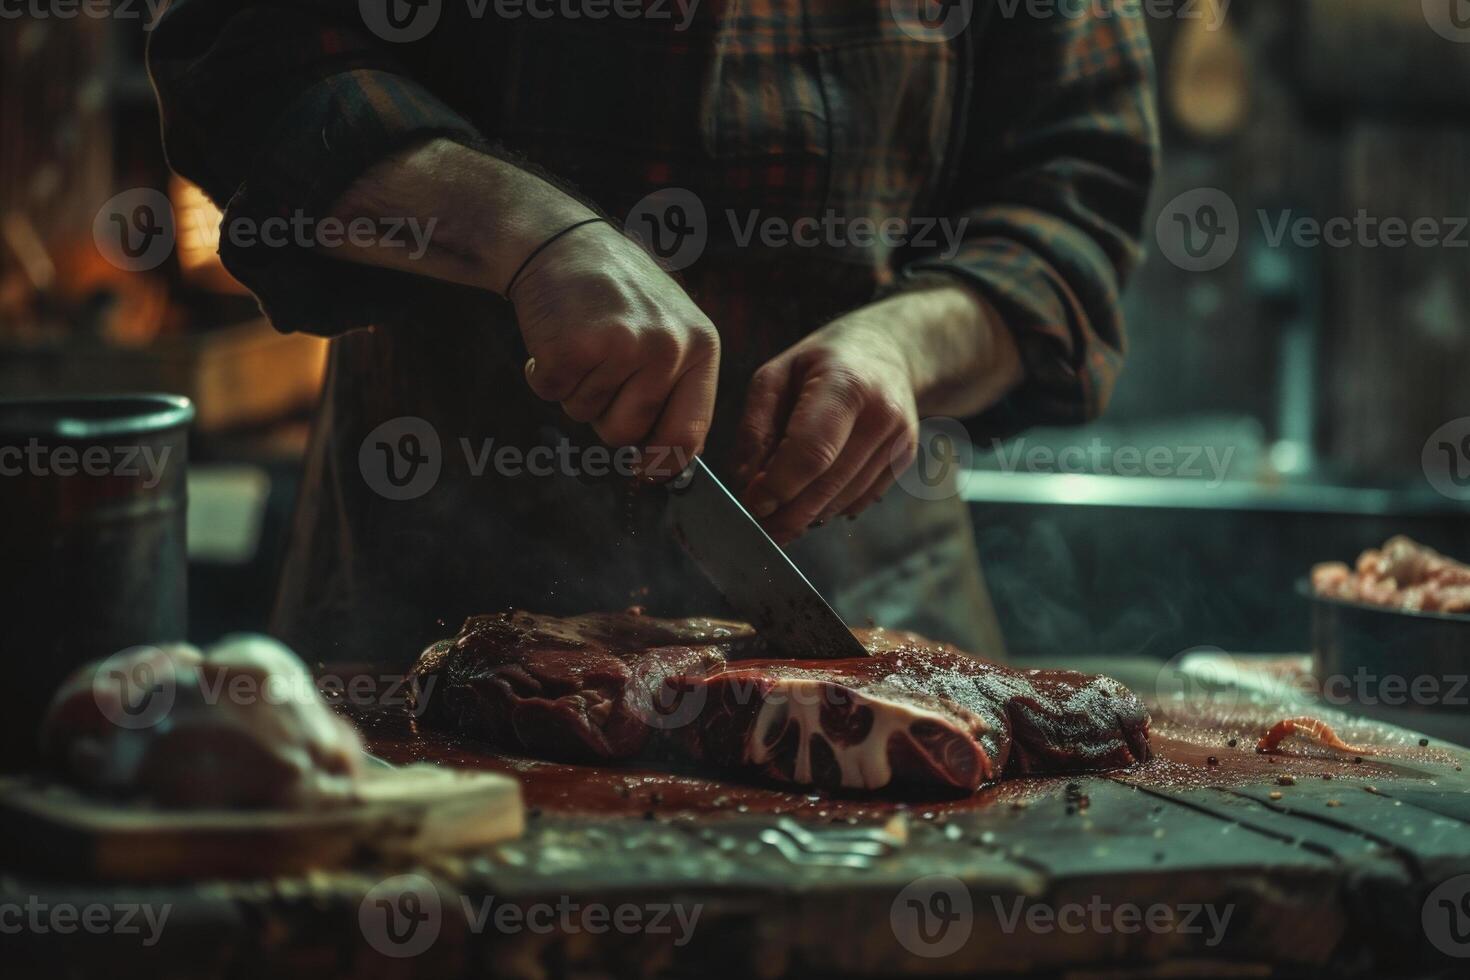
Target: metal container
1380, 658
92, 501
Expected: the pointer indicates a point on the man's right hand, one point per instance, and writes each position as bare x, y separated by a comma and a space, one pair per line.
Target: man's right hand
619, 344
612, 337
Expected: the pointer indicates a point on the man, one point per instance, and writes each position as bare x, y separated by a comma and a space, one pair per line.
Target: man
1013, 151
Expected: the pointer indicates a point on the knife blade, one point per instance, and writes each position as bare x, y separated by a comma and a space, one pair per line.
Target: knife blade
751, 571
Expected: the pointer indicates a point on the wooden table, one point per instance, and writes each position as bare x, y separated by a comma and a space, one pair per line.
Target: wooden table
1115, 875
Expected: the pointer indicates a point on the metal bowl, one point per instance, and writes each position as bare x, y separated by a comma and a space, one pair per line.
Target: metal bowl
1375, 656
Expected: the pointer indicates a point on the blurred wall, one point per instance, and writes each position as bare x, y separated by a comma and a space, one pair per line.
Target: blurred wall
1310, 113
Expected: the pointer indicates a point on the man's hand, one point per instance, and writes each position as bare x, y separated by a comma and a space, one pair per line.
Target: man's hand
831, 422
619, 344
611, 336
828, 424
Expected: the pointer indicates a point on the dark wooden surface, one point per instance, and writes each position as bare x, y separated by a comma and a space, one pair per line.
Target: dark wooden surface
1322, 877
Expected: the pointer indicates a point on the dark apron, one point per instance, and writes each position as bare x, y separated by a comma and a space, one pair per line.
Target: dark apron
857, 126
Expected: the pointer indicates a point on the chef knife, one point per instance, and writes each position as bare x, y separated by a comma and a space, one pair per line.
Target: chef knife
751, 571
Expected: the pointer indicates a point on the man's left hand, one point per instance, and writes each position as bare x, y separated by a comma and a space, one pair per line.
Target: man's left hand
828, 424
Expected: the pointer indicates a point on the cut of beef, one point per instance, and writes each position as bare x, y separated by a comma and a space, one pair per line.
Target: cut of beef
578, 687
913, 714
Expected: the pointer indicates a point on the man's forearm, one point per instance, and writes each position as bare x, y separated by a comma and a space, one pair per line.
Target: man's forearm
487, 214
961, 357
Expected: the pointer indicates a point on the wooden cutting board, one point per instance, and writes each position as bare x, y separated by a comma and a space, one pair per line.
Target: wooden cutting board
405, 813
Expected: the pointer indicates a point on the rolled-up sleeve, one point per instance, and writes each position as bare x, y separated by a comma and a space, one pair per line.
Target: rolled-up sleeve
1061, 148
274, 109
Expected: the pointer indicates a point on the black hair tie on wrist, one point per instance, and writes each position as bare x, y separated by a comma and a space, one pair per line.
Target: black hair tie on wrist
542, 247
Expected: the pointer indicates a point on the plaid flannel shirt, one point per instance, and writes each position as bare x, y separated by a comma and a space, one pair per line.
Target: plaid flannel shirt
1037, 135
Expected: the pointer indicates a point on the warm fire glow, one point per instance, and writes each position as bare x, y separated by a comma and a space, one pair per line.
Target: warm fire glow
196, 222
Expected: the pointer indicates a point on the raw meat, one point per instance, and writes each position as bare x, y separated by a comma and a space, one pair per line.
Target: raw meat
241, 725
580, 687
1403, 574
913, 714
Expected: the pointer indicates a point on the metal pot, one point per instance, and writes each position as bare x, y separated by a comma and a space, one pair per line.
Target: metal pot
1390, 658
92, 498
